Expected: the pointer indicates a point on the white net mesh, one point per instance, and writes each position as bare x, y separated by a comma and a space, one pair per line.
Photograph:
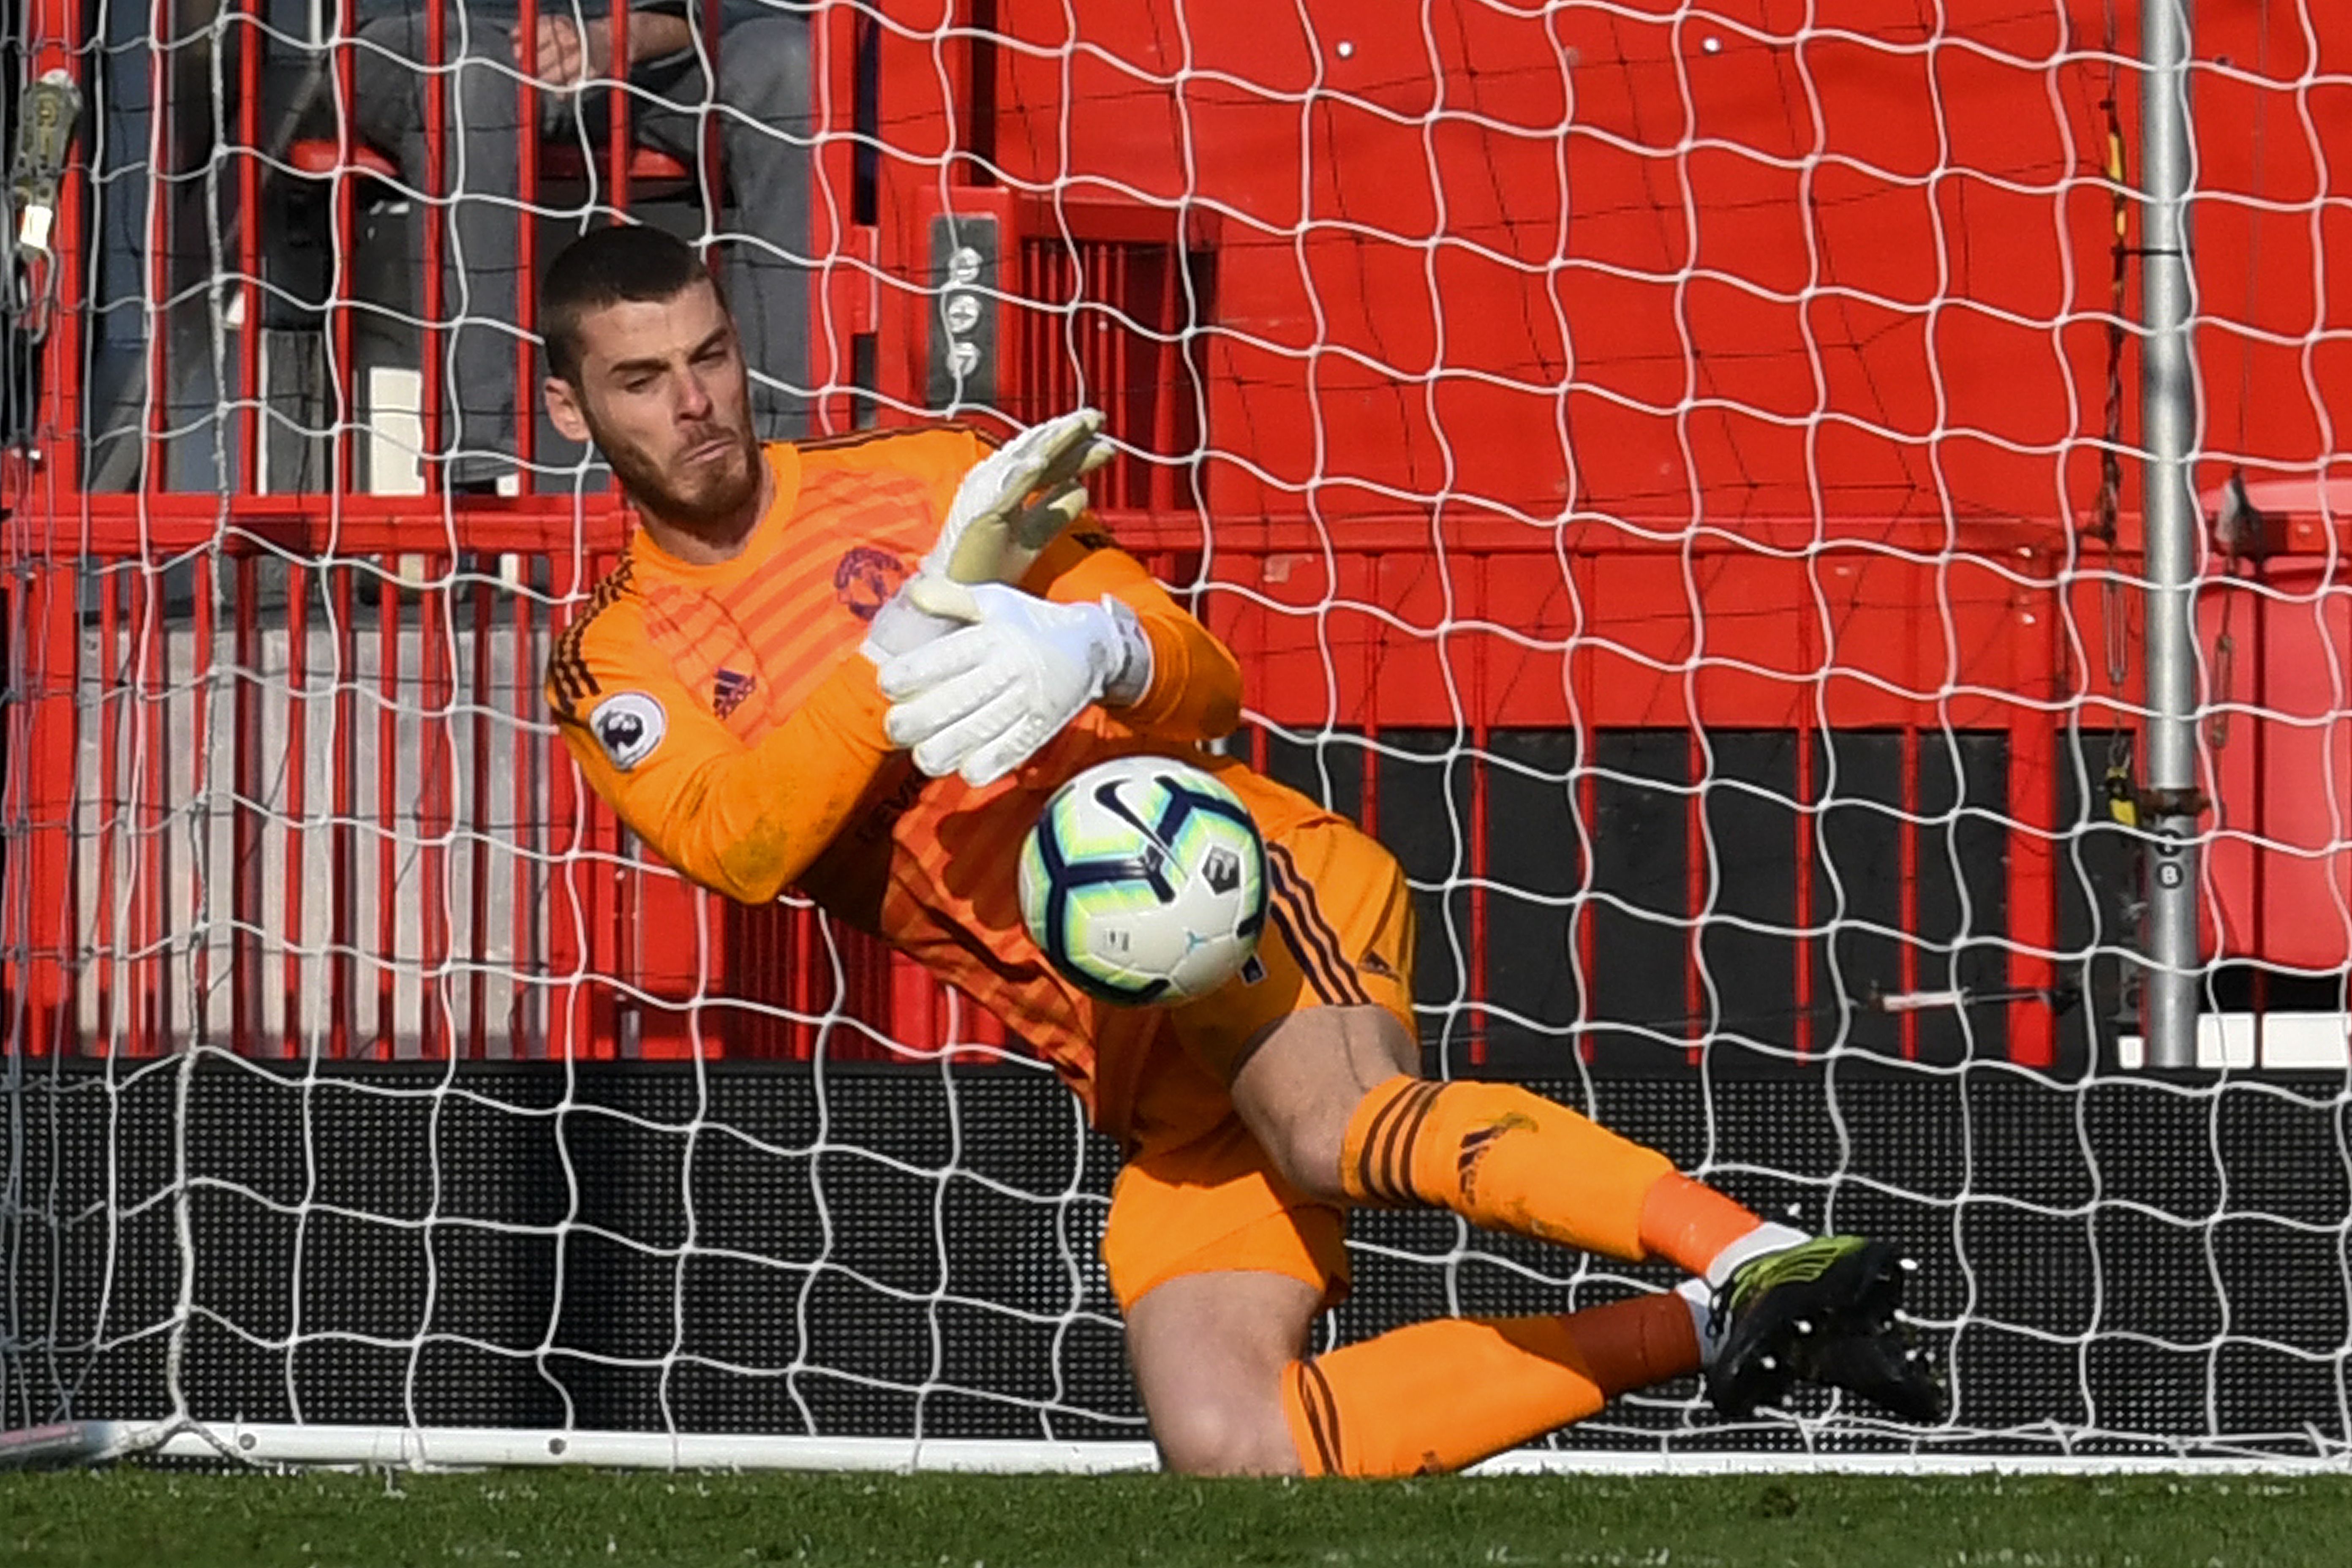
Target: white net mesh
1669, 472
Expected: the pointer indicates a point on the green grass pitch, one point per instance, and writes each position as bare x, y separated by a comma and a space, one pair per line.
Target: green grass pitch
187, 1519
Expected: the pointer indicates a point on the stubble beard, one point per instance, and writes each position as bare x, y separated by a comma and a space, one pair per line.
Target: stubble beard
715, 495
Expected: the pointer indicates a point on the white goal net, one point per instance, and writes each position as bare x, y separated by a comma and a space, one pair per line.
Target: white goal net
1672, 472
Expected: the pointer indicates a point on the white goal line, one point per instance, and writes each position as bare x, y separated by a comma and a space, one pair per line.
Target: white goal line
478, 1447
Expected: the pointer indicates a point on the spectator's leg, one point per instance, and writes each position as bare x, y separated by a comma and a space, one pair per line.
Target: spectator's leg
764, 80
113, 413
480, 271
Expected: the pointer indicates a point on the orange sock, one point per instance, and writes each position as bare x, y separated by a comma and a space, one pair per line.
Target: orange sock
1442, 1395
1689, 1223
1502, 1157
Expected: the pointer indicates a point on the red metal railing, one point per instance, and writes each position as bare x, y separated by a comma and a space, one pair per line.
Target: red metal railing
348, 831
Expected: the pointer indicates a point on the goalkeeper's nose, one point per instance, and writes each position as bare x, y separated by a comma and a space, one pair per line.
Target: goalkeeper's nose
695, 405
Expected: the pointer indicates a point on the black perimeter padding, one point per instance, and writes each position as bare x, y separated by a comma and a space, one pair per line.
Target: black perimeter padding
2120, 1265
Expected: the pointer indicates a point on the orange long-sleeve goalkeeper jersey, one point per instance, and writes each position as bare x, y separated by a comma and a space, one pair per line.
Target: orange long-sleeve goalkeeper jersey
725, 713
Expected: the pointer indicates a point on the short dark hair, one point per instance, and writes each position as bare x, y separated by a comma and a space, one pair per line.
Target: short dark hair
632, 262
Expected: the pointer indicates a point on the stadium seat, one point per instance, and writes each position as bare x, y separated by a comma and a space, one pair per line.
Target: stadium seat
650, 170
319, 157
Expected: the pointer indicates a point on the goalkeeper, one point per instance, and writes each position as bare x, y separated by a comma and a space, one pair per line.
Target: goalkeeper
859, 666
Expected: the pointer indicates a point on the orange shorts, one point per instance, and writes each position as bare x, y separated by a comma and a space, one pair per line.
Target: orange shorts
1197, 1194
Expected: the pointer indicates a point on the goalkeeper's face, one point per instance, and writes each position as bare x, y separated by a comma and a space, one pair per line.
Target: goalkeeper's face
663, 393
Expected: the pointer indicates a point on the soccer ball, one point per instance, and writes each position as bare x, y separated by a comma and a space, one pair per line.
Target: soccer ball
1144, 881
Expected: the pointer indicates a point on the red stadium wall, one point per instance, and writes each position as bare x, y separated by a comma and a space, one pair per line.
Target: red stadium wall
1473, 255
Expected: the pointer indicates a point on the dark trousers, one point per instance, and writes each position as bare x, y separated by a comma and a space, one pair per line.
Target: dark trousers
761, 111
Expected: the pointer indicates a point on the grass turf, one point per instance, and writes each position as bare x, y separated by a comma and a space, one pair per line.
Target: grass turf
190, 1520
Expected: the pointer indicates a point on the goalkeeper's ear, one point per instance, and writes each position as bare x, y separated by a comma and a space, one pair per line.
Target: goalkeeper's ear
563, 409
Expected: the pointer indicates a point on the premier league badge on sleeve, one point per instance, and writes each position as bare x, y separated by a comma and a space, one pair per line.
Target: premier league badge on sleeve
629, 725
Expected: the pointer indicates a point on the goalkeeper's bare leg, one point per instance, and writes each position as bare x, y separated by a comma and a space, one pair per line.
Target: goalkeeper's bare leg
1329, 1092
1210, 1353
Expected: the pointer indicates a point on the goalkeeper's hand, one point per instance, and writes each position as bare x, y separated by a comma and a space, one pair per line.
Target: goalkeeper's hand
984, 698
1012, 504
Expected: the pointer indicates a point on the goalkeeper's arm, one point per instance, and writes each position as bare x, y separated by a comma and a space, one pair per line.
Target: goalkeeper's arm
743, 820
1192, 689
982, 675
983, 700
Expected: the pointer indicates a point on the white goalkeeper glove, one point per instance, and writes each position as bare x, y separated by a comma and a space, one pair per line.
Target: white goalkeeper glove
1012, 504
984, 698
